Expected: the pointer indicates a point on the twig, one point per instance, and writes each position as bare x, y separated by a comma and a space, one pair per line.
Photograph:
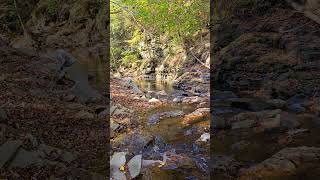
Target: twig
22, 26
199, 60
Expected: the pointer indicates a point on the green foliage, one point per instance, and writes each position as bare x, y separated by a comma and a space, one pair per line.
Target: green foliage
137, 21
177, 19
53, 7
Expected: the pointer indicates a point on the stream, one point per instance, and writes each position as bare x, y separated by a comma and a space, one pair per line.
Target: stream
173, 135
170, 133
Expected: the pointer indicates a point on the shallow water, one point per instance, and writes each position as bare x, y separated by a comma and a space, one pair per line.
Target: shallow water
154, 85
173, 132
95, 66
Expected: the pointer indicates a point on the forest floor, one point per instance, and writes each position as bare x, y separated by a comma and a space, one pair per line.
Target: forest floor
46, 130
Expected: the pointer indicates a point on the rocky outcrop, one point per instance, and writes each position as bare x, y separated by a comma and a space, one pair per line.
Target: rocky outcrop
285, 163
275, 59
311, 8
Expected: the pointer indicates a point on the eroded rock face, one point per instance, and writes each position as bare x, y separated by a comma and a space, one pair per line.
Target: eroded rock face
271, 60
285, 163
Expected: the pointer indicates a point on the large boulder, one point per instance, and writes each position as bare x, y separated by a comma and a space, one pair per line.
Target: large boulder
286, 163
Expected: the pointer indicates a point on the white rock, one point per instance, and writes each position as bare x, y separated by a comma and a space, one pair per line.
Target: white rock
134, 166
204, 137
117, 160
154, 100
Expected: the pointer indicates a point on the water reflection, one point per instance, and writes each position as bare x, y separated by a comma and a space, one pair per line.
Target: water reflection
95, 65
154, 85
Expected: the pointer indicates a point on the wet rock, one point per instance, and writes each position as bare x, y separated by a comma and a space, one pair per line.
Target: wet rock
134, 166
277, 103
131, 85
195, 148
174, 161
192, 99
8, 150
202, 164
285, 163
134, 142
154, 119
297, 108
196, 116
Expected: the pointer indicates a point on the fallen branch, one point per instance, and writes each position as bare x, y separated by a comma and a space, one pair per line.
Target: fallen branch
199, 60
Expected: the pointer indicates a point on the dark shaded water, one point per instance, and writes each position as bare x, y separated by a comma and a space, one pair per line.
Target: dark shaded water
95, 65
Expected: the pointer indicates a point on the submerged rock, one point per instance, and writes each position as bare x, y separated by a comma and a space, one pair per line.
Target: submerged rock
196, 116
154, 119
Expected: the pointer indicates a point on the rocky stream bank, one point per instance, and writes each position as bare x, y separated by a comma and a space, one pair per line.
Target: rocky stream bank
53, 123
265, 98
158, 131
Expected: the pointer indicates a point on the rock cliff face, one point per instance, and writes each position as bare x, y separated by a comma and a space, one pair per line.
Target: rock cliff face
56, 23
266, 69
311, 8
274, 55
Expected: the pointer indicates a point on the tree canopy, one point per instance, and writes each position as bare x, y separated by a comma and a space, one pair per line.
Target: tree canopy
174, 18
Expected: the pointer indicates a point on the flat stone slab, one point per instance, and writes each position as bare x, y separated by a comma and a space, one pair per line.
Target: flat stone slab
26, 158
8, 150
